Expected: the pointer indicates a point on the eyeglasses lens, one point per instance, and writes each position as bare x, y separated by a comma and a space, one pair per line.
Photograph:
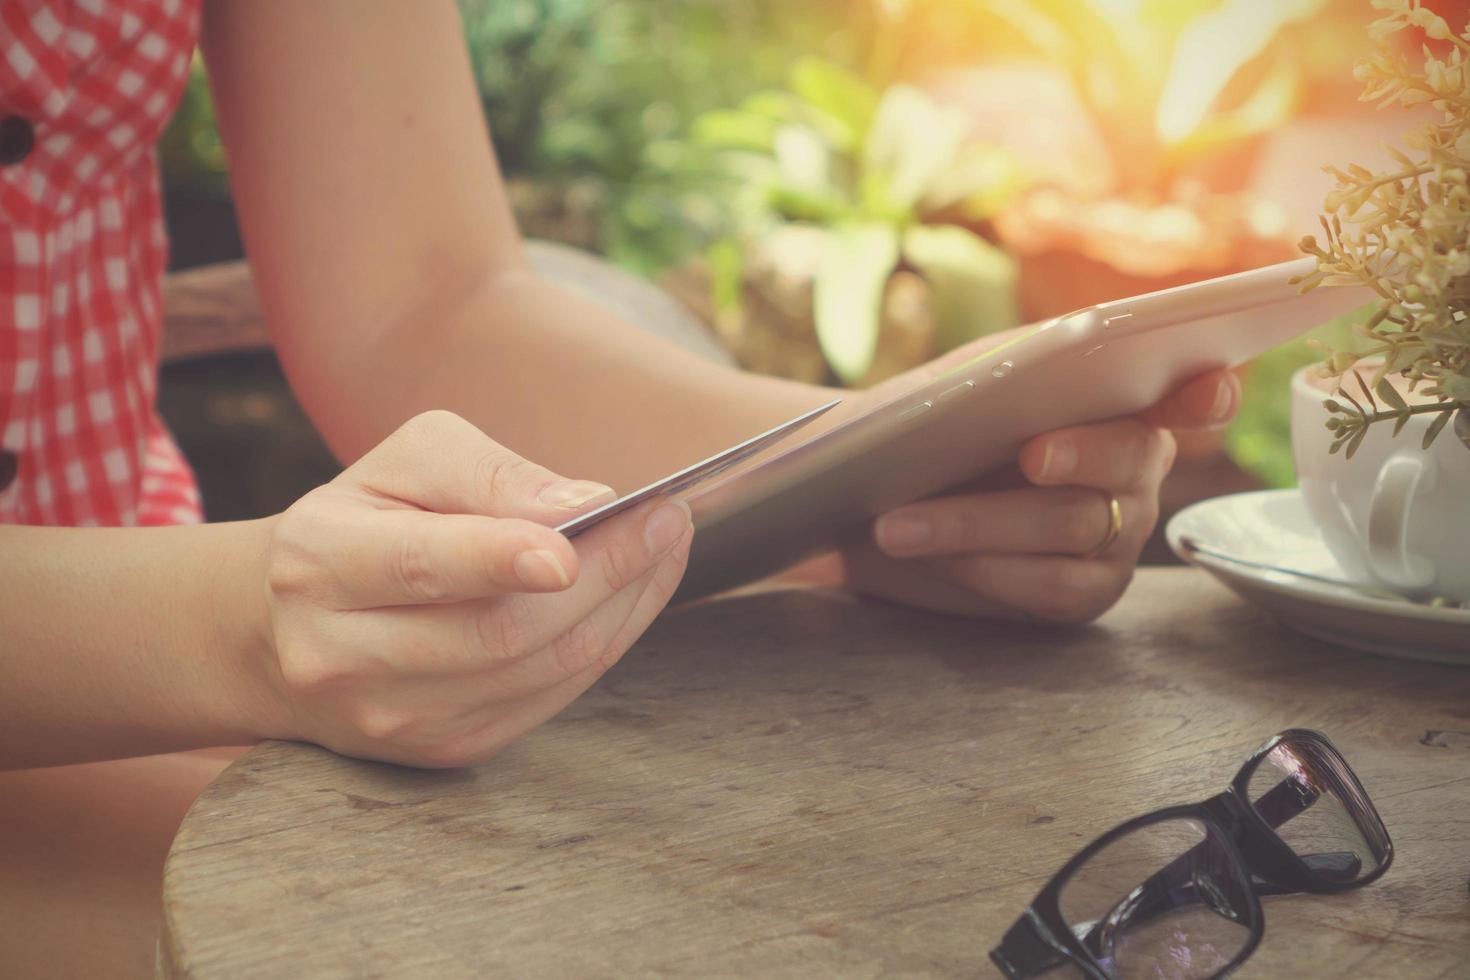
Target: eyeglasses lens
1168, 901
1304, 791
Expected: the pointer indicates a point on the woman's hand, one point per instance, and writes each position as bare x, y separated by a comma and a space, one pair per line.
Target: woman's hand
422, 610
1042, 551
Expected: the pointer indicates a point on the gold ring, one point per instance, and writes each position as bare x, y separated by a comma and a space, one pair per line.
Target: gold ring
1115, 528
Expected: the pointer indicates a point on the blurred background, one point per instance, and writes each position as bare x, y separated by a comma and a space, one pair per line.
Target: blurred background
841, 189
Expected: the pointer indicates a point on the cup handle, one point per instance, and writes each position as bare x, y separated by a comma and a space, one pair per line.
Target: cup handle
1398, 481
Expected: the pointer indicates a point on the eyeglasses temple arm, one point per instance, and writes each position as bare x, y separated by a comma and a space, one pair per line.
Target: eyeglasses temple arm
1023, 952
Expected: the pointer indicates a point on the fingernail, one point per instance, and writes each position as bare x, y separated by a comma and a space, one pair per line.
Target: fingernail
666, 526
573, 494
1224, 403
1059, 460
903, 532
541, 569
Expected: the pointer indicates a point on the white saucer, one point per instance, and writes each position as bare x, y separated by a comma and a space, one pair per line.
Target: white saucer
1272, 526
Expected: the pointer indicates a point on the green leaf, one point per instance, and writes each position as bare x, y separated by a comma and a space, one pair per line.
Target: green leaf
1437, 425
726, 269
979, 181
799, 204
836, 93
912, 141
771, 104
1356, 441
972, 284
803, 158
734, 129
856, 262
1390, 394
1367, 392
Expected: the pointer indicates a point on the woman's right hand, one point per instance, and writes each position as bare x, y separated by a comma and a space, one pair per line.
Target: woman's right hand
421, 609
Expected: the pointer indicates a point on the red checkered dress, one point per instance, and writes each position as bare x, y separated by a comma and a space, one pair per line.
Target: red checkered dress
85, 88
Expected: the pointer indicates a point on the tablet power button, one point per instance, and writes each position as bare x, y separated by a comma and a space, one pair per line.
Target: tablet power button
915, 410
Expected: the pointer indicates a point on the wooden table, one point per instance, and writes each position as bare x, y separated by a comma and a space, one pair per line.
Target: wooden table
800, 784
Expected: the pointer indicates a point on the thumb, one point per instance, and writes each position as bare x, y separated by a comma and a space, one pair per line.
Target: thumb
438, 461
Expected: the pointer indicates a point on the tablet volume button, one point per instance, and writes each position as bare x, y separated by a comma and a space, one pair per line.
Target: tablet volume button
916, 410
958, 389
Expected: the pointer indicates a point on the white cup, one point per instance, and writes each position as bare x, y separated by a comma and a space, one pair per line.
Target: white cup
1395, 514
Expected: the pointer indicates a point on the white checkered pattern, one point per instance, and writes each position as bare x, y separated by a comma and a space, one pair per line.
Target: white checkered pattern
82, 257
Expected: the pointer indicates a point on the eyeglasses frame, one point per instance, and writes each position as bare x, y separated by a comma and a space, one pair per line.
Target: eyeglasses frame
1041, 934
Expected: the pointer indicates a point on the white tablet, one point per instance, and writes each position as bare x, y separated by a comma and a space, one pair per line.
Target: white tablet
1105, 361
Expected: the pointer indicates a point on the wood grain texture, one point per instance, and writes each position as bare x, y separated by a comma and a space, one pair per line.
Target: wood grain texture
799, 784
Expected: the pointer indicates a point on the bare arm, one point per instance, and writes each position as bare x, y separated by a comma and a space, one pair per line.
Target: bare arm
121, 642
390, 268
394, 281
418, 609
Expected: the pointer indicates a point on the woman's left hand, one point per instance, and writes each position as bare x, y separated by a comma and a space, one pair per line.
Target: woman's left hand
1048, 550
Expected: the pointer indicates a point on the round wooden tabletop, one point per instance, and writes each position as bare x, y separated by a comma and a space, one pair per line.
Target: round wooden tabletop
798, 784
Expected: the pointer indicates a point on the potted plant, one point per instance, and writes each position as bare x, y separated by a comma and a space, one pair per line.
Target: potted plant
855, 249
1405, 233
1390, 494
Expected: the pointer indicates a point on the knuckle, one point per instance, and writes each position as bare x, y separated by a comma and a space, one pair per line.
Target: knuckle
1142, 442
381, 723
959, 526
412, 573
1083, 523
428, 425
306, 671
291, 573
501, 631
578, 648
497, 474
618, 566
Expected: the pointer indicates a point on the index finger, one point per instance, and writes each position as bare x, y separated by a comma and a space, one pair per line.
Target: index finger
441, 462
613, 556
410, 557
1206, 401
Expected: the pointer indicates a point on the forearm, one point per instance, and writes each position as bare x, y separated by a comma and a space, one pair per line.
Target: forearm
129, 641
390, 269
555, 377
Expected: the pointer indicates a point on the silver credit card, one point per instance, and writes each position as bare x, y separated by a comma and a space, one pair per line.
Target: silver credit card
693, 475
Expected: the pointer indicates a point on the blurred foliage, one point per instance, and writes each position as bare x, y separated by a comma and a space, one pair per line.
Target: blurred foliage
589, 100
888, 179
1168, 83
596, 101
189, 151
593, 96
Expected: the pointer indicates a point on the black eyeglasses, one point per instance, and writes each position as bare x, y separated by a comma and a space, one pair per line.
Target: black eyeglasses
1175, 894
